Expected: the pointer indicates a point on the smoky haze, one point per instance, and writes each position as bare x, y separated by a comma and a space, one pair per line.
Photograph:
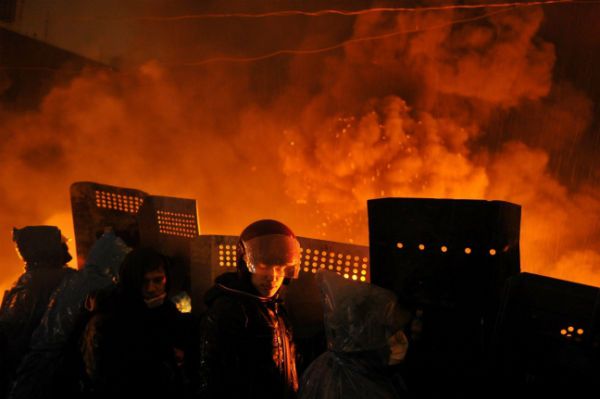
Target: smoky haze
448, 104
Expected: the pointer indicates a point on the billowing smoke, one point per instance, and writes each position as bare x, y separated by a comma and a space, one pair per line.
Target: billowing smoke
412, 115
456, 105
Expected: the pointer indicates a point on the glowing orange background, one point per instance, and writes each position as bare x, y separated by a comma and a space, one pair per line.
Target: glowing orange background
480, 109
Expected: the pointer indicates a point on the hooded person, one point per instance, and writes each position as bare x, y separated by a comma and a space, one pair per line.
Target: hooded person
51, 367
364, 338
45, 253
246, 342
133, 345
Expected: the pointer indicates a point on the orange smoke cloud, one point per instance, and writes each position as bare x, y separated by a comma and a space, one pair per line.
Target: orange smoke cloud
309, 139
138, 129
467, 75
559, 227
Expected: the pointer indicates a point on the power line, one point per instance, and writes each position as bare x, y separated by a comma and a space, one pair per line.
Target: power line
320, 13
339, 45
244, 59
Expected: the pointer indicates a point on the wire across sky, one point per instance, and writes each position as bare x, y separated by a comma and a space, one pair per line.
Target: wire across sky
342, 44
493, 9
327, 12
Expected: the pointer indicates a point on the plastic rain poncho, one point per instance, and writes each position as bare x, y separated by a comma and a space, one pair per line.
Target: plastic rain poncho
37, 376
45, 253
360, 318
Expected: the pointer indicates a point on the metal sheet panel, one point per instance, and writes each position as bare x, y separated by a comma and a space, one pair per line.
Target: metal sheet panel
448, 261
97, 207
548, 335
169, 224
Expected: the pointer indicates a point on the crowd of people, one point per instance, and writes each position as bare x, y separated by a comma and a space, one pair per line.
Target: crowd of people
110, 329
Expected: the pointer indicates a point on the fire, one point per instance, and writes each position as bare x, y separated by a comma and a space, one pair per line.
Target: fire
456, 111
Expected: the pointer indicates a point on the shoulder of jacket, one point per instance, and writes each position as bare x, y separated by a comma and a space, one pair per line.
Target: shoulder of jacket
230, 308
228, 303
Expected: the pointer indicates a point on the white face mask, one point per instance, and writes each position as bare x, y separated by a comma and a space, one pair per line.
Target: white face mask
398, 347
156, 301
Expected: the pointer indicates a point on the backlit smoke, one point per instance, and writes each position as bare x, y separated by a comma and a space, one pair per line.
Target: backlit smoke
460, 111
458, 81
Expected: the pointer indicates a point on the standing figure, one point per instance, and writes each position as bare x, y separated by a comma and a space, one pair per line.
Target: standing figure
53, 366
135, 343
364, 326
45, 253
246, 342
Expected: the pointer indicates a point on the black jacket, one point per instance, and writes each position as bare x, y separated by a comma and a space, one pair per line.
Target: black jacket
246, 344
22, 308
130, 350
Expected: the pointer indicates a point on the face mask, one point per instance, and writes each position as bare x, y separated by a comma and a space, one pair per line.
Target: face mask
156, 301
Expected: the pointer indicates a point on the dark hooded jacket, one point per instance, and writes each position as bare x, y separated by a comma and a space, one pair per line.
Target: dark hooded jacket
246, 344
129, 349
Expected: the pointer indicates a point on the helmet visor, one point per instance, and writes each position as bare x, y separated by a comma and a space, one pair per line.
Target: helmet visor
273, 254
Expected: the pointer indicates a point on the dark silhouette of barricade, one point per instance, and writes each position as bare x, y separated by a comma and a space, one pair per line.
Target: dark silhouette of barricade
547, 338
448, 261
167, 224
97, 207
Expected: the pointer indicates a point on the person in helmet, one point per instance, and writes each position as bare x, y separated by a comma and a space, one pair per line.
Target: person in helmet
246, 345
45, 253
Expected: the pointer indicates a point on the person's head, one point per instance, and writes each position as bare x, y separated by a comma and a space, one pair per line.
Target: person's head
107, 254
268, 254
362, 317
145, 274
41, 246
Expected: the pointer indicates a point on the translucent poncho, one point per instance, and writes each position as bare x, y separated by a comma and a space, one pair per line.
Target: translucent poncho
360, 318
39, 369
66, 304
